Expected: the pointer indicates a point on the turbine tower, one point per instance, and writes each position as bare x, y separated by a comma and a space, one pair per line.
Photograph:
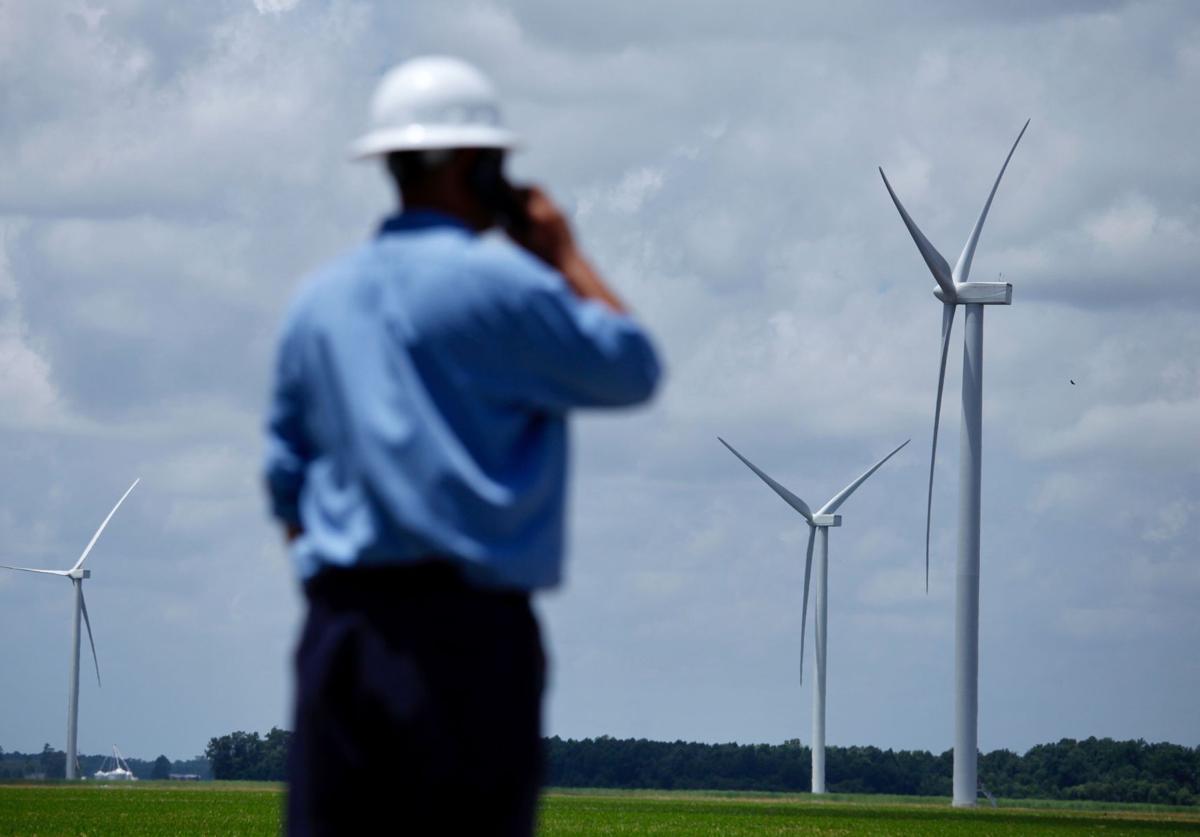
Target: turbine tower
77, 574
819, 523
954, 289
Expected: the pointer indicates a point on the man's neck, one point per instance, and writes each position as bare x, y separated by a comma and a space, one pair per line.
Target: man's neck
466, 212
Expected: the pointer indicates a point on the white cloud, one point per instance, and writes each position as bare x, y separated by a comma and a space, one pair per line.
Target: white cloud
29, 398
1109, 623
626, 196
1161, 430
27, 390
275, 6
1124, 226
90, 15
887, 589
1171, 521
1065, 490
635, 188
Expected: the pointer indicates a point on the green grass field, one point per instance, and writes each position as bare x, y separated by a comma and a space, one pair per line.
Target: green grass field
237, 808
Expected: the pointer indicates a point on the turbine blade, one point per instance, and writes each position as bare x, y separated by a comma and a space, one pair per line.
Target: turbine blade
788, 497
840, 497
96, 536
936, 262
948, 310
88, 623
963, 269
32, 570
812, 535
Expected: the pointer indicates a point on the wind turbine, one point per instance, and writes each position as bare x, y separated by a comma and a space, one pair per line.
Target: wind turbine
77, 574
820, 522
953, 290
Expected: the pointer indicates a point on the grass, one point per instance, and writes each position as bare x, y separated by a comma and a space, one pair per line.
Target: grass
253, 808
568, 812
140, 810
889, 799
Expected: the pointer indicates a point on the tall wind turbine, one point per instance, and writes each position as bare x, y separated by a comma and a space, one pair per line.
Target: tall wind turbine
77, 574
953, 290
819, 523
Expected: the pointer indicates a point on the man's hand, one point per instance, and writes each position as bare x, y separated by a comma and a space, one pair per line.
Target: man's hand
548, 236
545, 232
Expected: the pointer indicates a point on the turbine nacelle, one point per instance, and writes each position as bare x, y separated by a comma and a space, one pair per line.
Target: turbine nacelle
977, 293
79, 573
827, 520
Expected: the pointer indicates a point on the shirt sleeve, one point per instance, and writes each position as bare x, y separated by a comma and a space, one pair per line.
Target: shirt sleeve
558, 351
288, 446
582, 353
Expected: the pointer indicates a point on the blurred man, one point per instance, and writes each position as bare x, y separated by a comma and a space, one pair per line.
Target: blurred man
417, 453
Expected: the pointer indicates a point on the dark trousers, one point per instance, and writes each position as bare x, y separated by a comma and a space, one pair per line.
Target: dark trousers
418, 707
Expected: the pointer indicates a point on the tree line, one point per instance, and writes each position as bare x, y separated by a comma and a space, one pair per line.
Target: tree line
52, 764
246, 755
1094, 769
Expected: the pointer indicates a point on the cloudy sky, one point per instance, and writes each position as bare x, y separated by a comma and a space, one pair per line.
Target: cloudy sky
171, 170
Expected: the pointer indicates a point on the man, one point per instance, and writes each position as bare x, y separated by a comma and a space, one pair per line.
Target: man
417, 460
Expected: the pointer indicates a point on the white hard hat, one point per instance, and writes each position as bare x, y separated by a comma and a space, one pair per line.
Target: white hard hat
433, 102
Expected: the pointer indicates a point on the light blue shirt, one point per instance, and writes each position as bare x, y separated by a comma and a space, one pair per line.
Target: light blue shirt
420, 403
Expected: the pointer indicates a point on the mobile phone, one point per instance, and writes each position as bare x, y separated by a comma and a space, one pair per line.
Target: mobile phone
493, 190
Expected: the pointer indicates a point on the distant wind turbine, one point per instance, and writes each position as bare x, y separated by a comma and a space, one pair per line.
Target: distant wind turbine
818, 522
953, 290
77, 574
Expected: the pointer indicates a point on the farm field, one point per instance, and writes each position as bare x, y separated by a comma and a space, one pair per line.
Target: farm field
252, 808
140, 810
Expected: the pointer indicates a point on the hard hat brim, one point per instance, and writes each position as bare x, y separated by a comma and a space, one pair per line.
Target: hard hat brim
429, 137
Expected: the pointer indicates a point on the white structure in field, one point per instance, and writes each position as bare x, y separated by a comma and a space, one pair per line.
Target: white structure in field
77, 574
953, 290
118, 772
820, 522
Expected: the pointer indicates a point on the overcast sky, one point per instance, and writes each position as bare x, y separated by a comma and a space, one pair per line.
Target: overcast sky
170, 171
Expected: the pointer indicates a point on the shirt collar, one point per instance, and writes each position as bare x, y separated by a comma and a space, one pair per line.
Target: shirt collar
420, 219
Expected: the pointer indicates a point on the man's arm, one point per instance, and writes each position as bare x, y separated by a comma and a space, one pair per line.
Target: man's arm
288, 447
565, 339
